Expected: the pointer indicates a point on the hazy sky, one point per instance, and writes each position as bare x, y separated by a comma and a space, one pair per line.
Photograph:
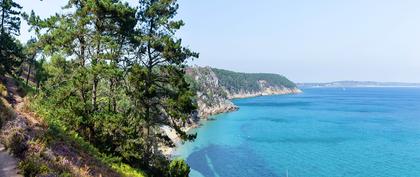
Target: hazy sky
305, 40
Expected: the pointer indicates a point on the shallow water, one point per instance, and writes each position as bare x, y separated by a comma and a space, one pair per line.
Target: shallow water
362, 132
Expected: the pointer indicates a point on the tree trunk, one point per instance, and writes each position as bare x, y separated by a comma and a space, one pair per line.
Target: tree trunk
30, 68
82, 51
37, 85
95, 61
29, 73
82, 65
94, 87
112, 100
2, 17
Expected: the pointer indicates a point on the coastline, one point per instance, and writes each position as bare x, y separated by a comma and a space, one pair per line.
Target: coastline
266, 92
170, 151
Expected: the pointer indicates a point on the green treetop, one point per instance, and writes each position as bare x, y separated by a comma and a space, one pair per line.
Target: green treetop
10, 48
160, 94
10, 17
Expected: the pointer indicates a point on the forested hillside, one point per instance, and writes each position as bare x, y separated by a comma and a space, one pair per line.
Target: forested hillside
214, 87
211, 97
99, 81
235, 81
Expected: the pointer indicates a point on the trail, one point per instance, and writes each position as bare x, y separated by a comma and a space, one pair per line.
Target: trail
79, 162
8, 164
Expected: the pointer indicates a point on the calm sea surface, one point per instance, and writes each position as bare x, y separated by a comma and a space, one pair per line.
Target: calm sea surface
324, 132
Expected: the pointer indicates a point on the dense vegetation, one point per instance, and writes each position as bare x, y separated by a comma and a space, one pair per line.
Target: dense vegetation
10, 48
235, 81
108, 73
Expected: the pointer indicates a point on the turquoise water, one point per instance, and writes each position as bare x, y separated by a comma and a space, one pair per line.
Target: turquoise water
362, 132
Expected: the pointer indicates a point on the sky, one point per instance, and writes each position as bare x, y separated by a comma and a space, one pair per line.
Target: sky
304, 40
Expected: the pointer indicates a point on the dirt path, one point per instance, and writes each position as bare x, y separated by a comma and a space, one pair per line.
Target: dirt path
8, 164
66, 156
17, 101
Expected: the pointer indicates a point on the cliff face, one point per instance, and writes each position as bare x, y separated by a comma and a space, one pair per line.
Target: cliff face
264, 92
211, 96
265, 89
216, 87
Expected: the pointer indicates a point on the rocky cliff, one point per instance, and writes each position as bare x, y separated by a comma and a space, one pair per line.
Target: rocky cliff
212, 97
265, 90
215, 88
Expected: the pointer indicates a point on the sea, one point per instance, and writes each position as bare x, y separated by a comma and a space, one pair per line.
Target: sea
323, 132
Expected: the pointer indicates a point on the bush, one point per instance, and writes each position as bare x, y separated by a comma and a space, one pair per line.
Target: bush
5, 112
65, 174
22, 88
179, 168
16, 142
3, 90
33, 166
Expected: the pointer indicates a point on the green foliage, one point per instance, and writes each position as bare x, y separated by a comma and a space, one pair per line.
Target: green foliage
15, 142
33, 166
10, 48
234, 81
158, 91
127, 171
10, 53
194, 85
178, 168
58, 130
113, 75
5, 112
3, 90
9, 17
22, 88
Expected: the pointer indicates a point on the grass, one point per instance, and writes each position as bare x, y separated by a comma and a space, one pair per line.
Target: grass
114, 162
57, 131
5, 111
3, 90
24, 89
32, 166
127, 171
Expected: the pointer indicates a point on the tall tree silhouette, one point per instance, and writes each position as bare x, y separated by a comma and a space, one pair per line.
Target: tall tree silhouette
10, 48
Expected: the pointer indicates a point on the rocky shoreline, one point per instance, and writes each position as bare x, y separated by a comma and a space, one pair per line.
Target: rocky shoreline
226, 105
223, 107
214, 98
266, 92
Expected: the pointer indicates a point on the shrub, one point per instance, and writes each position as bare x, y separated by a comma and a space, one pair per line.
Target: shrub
32, 166
16, 142
3, 90
65, 174
179, 168
5, 112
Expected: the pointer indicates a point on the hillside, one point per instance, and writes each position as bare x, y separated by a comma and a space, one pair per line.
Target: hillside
235, 81
41, 149
242, 85
359, 84
215, 87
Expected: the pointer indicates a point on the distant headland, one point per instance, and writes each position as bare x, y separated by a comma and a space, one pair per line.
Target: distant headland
359, 84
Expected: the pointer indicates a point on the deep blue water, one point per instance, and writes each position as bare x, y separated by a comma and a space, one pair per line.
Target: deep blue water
363, 132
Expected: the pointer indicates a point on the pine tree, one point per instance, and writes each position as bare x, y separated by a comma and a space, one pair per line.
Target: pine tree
115, 75
160, 95
10, 20
93, 38
10, 48
30, 51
